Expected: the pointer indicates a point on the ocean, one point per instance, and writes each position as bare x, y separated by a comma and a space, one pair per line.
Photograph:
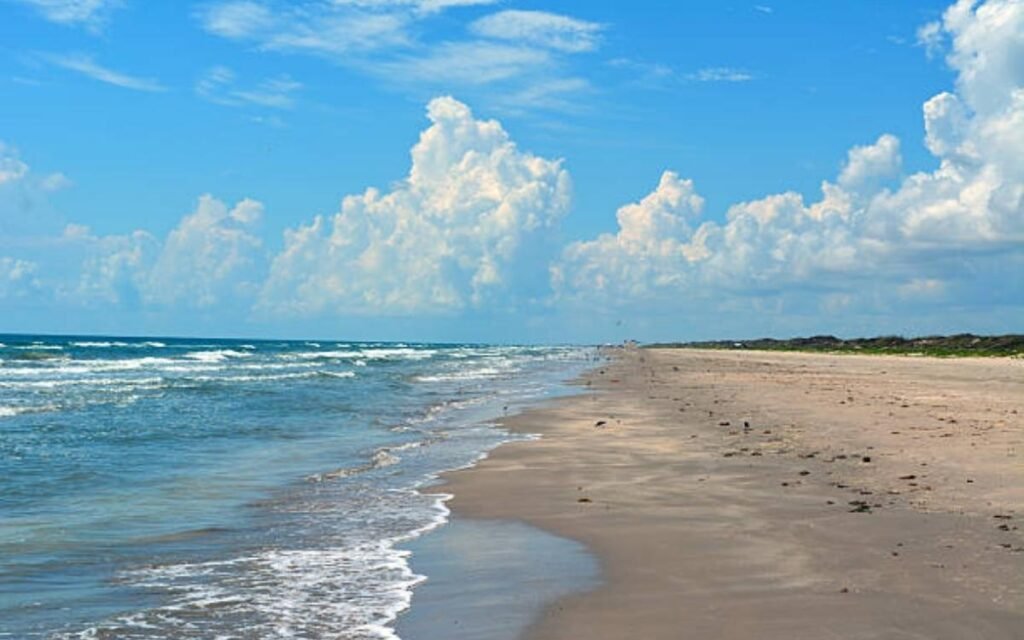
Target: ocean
236, 489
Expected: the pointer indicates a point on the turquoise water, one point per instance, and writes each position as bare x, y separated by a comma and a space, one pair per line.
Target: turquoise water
184, 488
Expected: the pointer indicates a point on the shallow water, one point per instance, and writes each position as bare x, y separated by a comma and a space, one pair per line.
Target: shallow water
183, 488
490, 579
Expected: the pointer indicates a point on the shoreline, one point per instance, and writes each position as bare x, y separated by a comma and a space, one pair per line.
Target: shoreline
774, 495
440, 555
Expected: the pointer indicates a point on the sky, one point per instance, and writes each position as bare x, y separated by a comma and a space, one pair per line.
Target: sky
511, 171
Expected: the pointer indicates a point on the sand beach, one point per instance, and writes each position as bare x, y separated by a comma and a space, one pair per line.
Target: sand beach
742, 495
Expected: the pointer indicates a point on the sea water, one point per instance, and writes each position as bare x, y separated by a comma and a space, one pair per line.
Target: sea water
227, 489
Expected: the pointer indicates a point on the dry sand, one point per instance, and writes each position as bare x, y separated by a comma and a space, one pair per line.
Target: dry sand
765, 495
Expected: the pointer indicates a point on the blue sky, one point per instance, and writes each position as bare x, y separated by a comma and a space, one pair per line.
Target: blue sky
540, 171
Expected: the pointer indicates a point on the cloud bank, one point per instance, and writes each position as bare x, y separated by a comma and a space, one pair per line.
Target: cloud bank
474, 225
873, 237
469, 227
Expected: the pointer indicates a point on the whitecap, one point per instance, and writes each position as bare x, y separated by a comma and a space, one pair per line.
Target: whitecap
116, 383
67, 366
484, 373
273, 377
403, 353
381, 458
10, 412
216, 355
321, 355
103, 344
337, 374
384, 458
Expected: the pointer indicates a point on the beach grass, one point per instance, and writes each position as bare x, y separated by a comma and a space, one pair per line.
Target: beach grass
953, 346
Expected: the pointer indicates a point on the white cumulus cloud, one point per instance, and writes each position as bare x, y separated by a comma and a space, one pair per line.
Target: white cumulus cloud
17, 277
12, 168
56, 181
866, 165
467, 226
930, 36
212, 256
650, 251
24, 197
96, 271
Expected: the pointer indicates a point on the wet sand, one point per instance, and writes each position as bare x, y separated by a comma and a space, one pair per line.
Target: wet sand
471, 564
776, 495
